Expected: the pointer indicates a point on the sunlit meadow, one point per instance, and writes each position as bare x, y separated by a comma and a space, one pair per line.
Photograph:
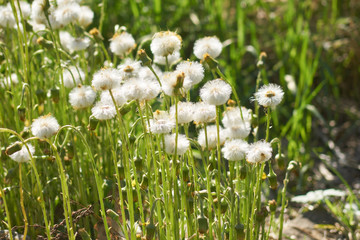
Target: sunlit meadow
107, 132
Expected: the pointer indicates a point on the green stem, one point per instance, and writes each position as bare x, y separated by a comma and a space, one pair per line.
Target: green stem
102, 16
219, 169
26, 224
37, 177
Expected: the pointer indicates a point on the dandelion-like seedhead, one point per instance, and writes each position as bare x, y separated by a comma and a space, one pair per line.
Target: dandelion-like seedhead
235, 150
118, 94
172, 58
232, 116
140, 89
239, 131
165, 43
72, 76
106, 78
269, 95
209, 45
67, 13
72, 44
259, 152
129, 69
146, 73
215, 92
25, 9
86, 16
204, 113
45, 126
194, 73
78, 44
103, 110
82, 97
185, 112
6, 17
182, 144
211, 137
122, 43
161, 123
169, 81
23, 154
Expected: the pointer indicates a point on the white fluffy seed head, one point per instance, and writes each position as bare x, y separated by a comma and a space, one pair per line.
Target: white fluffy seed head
45, 126
161, 122
146, 73
103, 110
140, 89
211, 137
204, 113
7, 17
122, 43
82, 97
118, 94
67, 13
259, 152
165, 43
182, 144
185, 112
172, 58
25, 9
72, 44
194, 73
232, 116
86, 16
209, 45
235, 150
239, 131
72, 76
269, 95
37, 11
106, 78
129, 69
23, 154
215, 92
169, 82
78, 44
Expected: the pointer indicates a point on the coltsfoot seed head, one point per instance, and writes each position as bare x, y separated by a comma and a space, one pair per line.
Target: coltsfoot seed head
106, 78
86, 16
185, 112
209, 45
182, 144
72, 76
67, 13
172, 58
82, 97
23, 154
211, 137
118, 94
122, 43
269, 95
103, 110
235, 150
165, 43
204, 113
215, 92
194, 73
259, 152
45, 126
161, 122
232, 116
